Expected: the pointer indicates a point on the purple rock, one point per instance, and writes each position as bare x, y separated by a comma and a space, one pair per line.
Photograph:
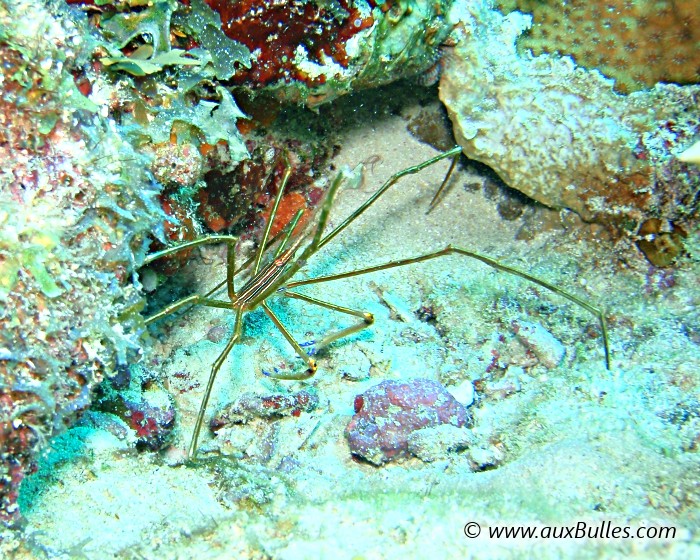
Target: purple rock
388, 413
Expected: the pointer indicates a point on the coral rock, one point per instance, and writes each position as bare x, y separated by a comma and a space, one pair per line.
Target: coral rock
538, 340
75, 208
302, 50
319, 50
389, 413
560, 133
638, 43
275, 405
152, 422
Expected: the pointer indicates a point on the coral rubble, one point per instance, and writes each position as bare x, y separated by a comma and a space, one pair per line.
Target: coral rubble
134, 396
559, 132
250, 405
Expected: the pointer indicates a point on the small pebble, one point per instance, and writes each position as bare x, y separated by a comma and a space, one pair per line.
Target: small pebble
538, 340
464, 392
149, 280
482, 458
216, 334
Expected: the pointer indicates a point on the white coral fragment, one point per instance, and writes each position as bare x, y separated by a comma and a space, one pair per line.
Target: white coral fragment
692, 154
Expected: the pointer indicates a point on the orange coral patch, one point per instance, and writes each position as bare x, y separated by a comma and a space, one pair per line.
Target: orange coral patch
290, 204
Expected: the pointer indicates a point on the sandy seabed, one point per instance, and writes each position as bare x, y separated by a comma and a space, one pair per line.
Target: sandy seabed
553, 446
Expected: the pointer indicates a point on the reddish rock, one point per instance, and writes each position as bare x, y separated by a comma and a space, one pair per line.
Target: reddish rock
387, 414
153, 422
273, 405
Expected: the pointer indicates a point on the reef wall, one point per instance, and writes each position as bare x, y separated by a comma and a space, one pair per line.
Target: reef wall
75, 208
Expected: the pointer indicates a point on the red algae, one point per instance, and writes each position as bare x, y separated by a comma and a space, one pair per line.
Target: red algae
275, 29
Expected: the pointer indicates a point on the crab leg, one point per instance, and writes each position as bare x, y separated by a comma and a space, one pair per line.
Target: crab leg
486, 260
209, 239
297, 348
273, 214
453, 153
367, 318
216, 366
194, 299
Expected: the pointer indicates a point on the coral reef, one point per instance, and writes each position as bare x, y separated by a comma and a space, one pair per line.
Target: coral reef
119, 130
391, 413
560, 133
283, 34
308, 51
75, 207
619, 447
639, 43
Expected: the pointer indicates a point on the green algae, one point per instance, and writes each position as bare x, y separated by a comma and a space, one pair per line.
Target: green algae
158, 110
153, 25
215, 121
153, 22
204, 24
25, 245
143, 66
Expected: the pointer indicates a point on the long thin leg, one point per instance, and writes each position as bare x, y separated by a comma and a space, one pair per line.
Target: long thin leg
367, 318
318, 240
194, 299
216, 366
230, 271
486, 260
288, 233
312, 247
298, 349
273, 214
228, 239
436, 197
454, 153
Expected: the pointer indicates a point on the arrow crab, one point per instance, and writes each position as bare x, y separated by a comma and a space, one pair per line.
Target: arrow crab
271, 271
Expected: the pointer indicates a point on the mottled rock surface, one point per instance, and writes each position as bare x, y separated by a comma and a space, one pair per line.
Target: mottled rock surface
560, 133
76, 207
389, 413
